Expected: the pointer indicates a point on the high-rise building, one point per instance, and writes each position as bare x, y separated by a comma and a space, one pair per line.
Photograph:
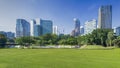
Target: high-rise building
90, 26
55, 30
81, 30
22, 28
117, 31
32, 27
77, 26
46, 26
105, 17
37, 30
76, 31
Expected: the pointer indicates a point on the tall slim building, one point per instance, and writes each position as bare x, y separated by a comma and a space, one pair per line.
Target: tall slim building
105, 17
32, 27
55, 30
76, 31
90, 26
22, 28
46, 26
37, 30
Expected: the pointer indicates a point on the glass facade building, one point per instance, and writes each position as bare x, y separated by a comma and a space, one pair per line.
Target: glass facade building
76, 31
117, 31
22, 28
46, 26
81, 30
105, 17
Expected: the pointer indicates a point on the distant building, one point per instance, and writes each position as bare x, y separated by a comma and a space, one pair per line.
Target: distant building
76, 31
22, 28
105, 17
4, 33
46, 26
81, 30
32, 27
90, 26
10, 35
37, 30
73, 33
117, 31
55, 30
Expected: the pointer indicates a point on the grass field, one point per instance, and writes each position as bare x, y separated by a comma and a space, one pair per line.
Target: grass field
59, 58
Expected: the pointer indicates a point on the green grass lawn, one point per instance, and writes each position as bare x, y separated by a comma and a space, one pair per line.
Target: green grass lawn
59, 58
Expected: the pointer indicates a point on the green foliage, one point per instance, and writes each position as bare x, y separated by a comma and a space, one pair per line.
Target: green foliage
3, 41
116, 41
59, 58
110, 38
97, 37
25, 40
48, 39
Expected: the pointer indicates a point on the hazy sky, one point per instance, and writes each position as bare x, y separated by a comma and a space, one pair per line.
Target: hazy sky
61, 12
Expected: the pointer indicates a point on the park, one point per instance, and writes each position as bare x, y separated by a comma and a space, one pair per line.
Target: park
60, 58
100, 49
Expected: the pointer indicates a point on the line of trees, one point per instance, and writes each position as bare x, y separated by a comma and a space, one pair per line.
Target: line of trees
3, 41
104, 37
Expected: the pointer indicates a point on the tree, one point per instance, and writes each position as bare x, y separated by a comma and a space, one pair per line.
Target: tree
49, 39
25, 41
116, 41
72, 41
3, 41
100, 36
110, 37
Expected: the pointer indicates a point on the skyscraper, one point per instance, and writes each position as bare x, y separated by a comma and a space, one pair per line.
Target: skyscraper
22, 28
90, 26
38, 28
55, 30
76, 31
105, 17
77, 27
46, 26
32, 27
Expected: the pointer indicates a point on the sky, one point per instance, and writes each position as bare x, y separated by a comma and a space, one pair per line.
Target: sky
61, 12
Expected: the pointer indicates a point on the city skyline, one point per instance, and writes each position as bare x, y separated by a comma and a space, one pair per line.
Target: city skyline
53, 10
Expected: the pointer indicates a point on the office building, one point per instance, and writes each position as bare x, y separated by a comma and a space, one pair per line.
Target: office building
22, 28
81, 30
90, 26
55, 30
117, 31
10, 35
32, 27
105, 17
46, 26
76, 31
